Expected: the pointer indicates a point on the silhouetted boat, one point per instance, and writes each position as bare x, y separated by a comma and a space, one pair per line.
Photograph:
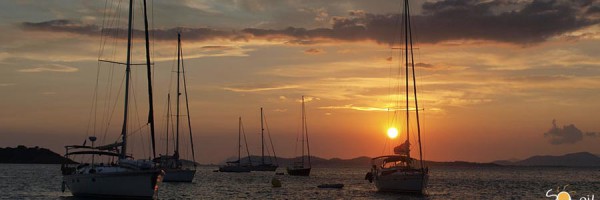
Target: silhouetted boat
175, 170
123, 177
300, 168
237, 166
264, 166
397, 173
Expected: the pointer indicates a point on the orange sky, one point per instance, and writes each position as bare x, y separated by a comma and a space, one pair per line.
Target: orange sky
486, 96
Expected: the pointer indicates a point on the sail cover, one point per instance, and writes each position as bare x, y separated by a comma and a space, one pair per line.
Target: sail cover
403, 148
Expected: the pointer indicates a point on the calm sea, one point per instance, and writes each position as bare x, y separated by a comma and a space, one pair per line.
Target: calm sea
44, 182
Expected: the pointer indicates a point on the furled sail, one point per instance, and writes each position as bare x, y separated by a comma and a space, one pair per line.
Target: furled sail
402, 149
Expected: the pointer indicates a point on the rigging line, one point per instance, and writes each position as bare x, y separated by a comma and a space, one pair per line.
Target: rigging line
399, 21
114, 108
115, 20
111, 23
170, 119
306, 131
415, 88
102, 28
296, 144
384, 146
166, 122
152, 28
137, 110
187, 106
93, 109
270, 139
95, 94
246, 143
107, 96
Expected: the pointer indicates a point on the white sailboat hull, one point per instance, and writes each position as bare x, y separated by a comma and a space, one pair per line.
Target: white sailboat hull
179, 175
402, 182
127, 184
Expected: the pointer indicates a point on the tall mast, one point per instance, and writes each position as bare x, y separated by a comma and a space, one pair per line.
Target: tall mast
262, 136
406, 57
415, 87
187, 107
127, 76
178, 94
150, 99
302, 134
168, 117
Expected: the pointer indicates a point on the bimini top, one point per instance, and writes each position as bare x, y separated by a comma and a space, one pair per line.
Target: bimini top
393, 158
105, 153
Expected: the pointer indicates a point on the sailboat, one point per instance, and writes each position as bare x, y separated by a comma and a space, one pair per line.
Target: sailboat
301, 168
397, 172
175, 170
123, 177
263, 166
237, 166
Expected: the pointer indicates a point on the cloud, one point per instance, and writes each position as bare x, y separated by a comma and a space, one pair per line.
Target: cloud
50, 68
309, 99
566, 135
314, 51
6, 84
352, 107
529, 22
62, 25
509, 21
280, 110
78, 27
260, 89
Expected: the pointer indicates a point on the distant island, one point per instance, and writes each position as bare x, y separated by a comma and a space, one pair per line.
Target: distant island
34, 155
360, 162
580, 159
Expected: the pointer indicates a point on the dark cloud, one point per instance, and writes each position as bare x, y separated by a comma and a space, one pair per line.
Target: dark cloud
532, 22
424, 65
566, 135
77, 27
313, 51
62, 25
507, 21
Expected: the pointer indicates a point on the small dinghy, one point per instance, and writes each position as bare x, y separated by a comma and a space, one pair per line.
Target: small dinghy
333, 185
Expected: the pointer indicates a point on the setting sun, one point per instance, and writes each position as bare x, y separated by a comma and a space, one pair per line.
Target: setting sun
392, 132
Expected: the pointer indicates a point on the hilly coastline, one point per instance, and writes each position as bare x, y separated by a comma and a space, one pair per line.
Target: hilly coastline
580, 159
34, 155
358, 162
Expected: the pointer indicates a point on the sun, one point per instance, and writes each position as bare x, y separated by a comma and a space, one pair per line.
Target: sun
392, 132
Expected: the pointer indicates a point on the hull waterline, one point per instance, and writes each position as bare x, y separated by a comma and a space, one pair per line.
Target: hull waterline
137, 184
299, 171
179, 175
403, 183
264, 168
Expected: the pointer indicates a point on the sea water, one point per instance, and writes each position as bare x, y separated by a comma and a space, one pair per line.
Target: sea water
30, 181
